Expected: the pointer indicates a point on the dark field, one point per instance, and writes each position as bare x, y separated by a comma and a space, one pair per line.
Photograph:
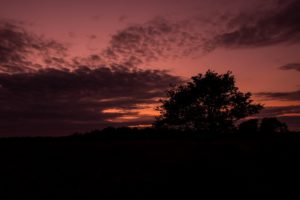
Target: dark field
148, 168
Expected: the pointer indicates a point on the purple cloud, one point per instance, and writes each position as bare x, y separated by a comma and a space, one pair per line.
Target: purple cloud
53, 100
279, 24
291, 66
21, 51
284, 96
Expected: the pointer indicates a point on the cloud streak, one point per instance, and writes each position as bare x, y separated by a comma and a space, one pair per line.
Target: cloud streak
291, 66
280, 111
284, 96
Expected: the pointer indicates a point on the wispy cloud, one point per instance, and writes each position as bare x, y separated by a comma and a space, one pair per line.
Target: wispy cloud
162, 38
291, 66
156, 39
21, 51
284, 96
278, 24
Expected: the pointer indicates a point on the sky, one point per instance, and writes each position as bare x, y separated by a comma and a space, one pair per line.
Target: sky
76, 66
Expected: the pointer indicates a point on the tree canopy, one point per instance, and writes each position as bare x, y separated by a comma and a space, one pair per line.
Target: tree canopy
209, 102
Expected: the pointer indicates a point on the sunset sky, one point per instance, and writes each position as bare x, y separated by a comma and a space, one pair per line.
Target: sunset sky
75, 66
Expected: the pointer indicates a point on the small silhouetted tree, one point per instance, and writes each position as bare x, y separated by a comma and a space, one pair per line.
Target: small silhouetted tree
272, 125
210, 102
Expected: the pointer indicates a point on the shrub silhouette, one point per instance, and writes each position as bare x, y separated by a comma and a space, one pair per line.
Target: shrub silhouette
210, 102
249, 127
272, 125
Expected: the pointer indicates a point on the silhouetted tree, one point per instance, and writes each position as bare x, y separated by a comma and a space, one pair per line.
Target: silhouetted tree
249, 127
210, 102
272, 125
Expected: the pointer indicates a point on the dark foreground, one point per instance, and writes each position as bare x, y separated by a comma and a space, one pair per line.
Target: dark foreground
153, 168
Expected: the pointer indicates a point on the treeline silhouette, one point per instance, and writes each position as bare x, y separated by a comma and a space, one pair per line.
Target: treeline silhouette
267, 127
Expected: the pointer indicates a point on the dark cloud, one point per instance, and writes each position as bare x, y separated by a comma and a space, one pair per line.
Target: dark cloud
284, 96
53, 101
21, 51
291, 66
280, 23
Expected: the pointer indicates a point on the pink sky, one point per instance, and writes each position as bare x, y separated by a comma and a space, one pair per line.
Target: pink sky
87, 26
